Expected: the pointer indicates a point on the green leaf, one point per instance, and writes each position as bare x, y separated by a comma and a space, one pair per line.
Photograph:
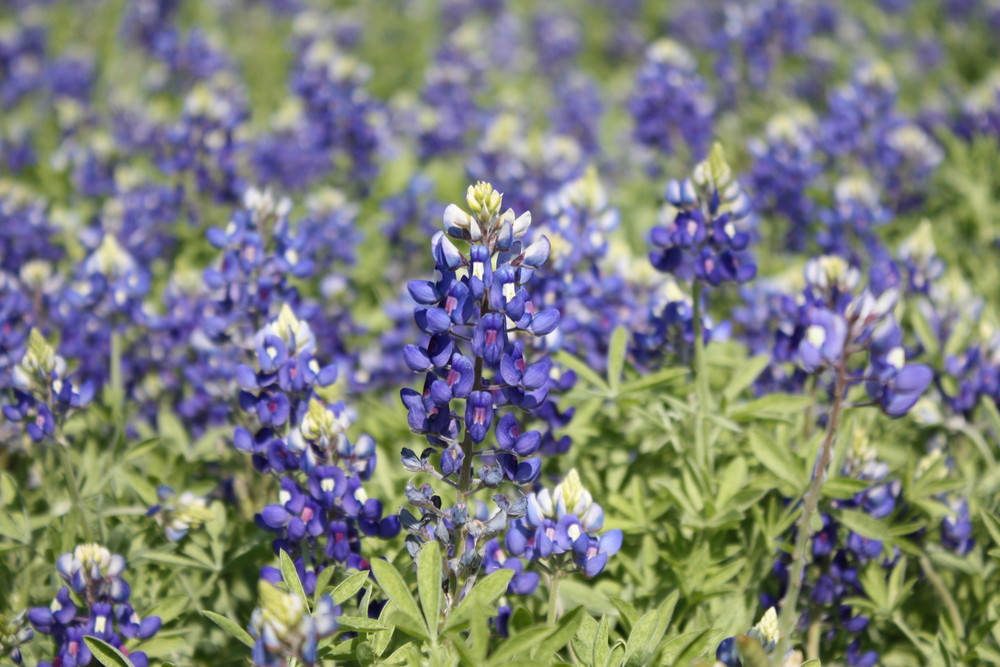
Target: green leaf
414, 627
684, 648
8, 488
643, 639
994, 417
142, 448
628, 613
923, 330
291, 576
322, 581
429, 584
172, 559
616, 357
745, 375
361, 624
778, 459
864, 525
583, 642
349, 587
107, 654
770, 407
992, 525
654, 380
483, 596
581, 369
380, 640
601, 650
169, 608
229, 627
667, 608
520, 644
567, 627
392, 584
843, 488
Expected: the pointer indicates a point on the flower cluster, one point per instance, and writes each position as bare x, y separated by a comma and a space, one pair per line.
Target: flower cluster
671, 105
179, 513
13, 633
705, 231
283, 627
300, 435
94, 603
839, 324
471, 315
44, 395
565, 521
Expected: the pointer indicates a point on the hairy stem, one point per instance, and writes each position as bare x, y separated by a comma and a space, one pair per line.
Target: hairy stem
810, 504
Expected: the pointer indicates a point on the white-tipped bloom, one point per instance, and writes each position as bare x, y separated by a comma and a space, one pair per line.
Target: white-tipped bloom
766, 630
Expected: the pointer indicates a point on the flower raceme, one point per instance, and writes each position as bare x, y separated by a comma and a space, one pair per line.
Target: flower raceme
94, 603
840, 324
705, 232
478, 374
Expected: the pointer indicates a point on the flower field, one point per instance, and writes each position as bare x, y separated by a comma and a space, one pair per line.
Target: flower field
476, 332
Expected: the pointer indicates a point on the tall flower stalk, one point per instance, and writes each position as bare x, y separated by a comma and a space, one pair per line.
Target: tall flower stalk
841, 325
474, 315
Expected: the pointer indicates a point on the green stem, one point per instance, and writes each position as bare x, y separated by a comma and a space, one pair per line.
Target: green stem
74, 489
810, 504
699, 371
553, 597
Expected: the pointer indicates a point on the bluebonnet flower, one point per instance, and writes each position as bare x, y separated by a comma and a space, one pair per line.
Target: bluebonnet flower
906, 157
13, 633
318, 522
704, 235
849, 226
205, 142
592, 299
93, 574
146, 20
755, 36
956, 528
564, 521
178, 514
578, 110
283, 627
756, 645
671, 105
527, 174
45, 395
22, 58
667, 330
557, 41
26, 231
449, 115
785, 165
980, 110
857, 109
472, 315
335, 128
